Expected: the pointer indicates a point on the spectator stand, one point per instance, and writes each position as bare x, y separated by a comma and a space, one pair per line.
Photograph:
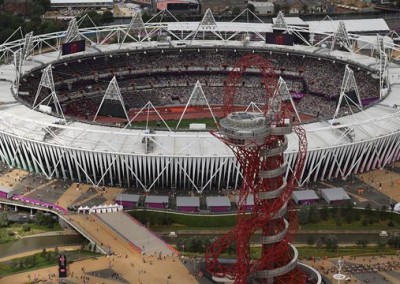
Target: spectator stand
218, 203
302, 197
128, 201
335, 196
188, 203
157, 202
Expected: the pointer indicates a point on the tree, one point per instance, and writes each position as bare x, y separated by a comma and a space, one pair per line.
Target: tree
368, 208
39, 217
235, 11
314, 215
43, 253
310, 240
394, 241
277, 8
331, 243
362, 243
4, 219
304, 215
253, 11
107, 17
26, 227
324, 213
349, 217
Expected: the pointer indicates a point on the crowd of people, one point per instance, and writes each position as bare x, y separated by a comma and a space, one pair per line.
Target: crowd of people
168, 78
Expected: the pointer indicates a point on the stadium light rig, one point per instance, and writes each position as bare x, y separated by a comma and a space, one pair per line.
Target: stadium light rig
258, 140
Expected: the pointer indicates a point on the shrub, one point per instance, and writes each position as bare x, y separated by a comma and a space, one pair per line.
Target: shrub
26, 227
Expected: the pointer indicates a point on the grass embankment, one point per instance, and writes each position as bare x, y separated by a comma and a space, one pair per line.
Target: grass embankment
168, 221
17, 231
312, 251
41, 260
209, 122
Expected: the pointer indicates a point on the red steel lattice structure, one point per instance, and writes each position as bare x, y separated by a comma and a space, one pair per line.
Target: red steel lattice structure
258, 141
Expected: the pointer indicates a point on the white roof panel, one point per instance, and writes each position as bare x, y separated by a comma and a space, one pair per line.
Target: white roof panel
187, 201
295, 21
300, 195
128, 197
157, 199
352, 26
217, 201
335, 193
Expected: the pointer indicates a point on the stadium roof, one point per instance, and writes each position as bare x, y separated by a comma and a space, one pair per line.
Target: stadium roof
303, 195
187, 201
216, 201
352, 26
128, 197
334, 194
295, 21
375, 121
157, 199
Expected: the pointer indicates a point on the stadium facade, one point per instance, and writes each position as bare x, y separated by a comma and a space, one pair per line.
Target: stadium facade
105, 155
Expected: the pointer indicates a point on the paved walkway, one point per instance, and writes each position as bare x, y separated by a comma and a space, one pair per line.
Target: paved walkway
136, 233
71, 194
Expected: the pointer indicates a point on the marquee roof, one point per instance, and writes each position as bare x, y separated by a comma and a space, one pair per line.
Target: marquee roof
187, 201
127, 197
216, 201
157, 199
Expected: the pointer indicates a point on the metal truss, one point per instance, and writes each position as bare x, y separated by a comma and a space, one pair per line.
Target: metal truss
286, 96
18, 62
27, 50
207, 24
341, 38
383, 57
72, 31
47, 82
197, 98
280, 22
348, 84
113, 93
136, 26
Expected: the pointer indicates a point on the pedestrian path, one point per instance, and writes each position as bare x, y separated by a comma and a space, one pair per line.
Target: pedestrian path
136, 233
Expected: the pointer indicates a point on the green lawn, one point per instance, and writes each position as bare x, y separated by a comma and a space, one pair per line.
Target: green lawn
184, 222
168, 221
307, 252
343, 251
210, 124
330, 224
41, 260
16, 231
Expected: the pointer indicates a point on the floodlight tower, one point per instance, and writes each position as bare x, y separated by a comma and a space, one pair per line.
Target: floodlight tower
258, 141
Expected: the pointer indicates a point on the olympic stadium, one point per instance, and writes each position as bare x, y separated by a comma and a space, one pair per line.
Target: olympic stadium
79, 104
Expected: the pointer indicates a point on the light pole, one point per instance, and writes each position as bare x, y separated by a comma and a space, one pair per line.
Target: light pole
339, 276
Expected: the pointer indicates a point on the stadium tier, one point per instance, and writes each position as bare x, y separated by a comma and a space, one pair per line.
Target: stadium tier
72, 120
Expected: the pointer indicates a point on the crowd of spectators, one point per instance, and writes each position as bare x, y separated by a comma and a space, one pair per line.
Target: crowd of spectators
168, 78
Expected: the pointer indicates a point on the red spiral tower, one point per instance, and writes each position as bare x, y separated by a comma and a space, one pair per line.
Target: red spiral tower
258, 141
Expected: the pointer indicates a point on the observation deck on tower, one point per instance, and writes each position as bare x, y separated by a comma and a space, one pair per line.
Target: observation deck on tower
244, 127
